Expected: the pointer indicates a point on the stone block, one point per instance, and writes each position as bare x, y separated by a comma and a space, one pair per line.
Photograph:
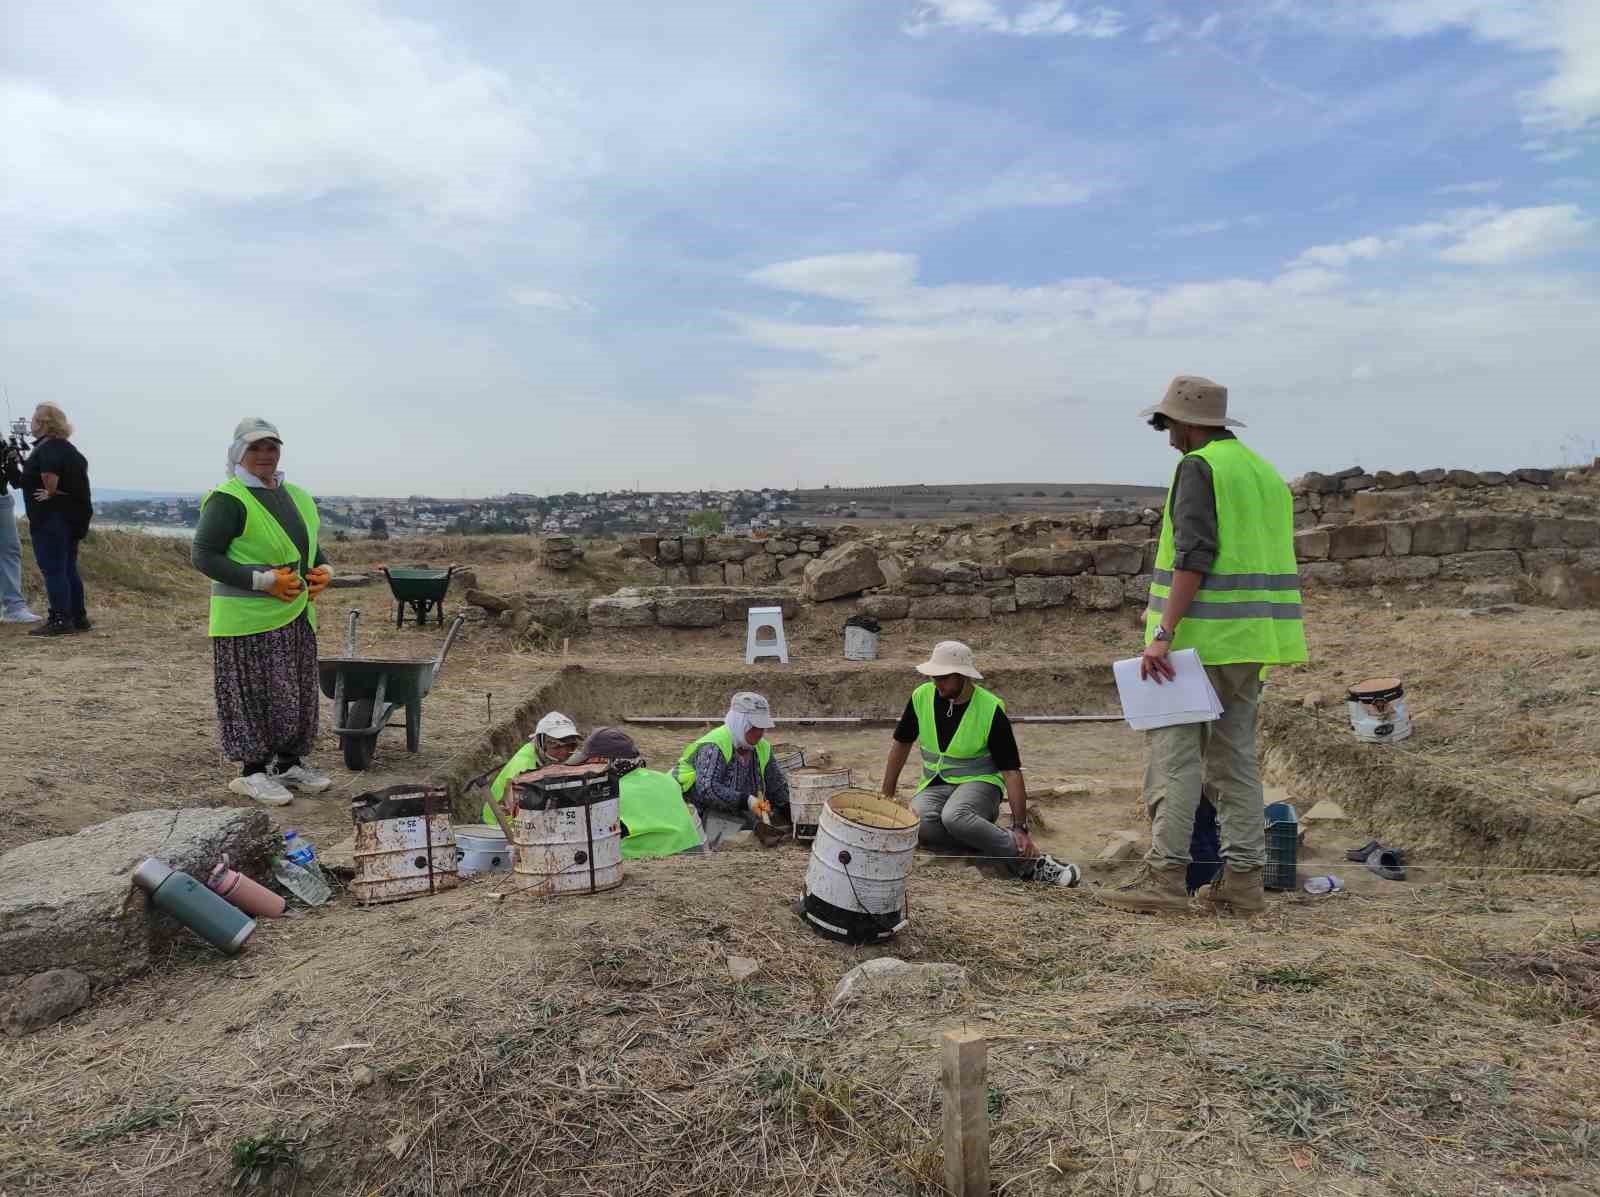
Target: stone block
1123, 845
959, 587
1132, 533
649, 547
1312, 546
1098, 593
732, 548
1304, 520
1323, 573
811, 545
892, 573
672, 575
736, 608
1050, 563
1365, 570
43, 1000
782, 548
1536, 561
1034, 593
1439, 537
670, 551
1399, 539
1492, 478
1137, 589
1485, 532
761, 570
1469, 567
694, 550
951, 606
1350, 472
886, 606
613, 611
1388, 480
689, 611
794, 567
1536, 477
1360, 482
919, 591
1316, 484
994, 573
1431, 477
1546, 533
1003, 604
1118, 560
1581, 534
69, 902
1463, 478
1571, 586
733, 573
846, 570
1357, 540
1381, 504
494, 603
924, 575
1301, 504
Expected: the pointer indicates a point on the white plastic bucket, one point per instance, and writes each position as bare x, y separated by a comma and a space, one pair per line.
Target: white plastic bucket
809, 788
857, 869
481, 849
1378, 711
570, 850
860, 644
391, 858
788, 756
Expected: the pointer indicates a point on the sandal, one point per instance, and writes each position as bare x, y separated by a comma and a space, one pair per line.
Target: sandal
1359, 855
1388, 864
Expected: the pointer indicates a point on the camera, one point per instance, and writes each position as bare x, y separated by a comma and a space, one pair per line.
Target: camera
13, 448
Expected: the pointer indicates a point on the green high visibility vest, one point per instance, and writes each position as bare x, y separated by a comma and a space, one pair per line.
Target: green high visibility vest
723, 739
655, 817
262, 545
1248, 608
966, 757
524, 760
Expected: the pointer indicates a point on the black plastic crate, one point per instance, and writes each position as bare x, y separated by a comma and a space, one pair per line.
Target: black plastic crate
1283, 846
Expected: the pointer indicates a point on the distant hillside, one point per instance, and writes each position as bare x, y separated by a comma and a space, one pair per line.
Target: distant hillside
937, 500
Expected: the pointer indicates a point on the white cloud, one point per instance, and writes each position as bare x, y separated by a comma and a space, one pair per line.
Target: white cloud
1342, 254
1163, 30
1521, 234
548, 301
859, 277
1479, 187
1037, 18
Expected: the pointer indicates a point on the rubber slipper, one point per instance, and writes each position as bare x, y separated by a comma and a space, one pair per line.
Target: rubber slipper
1359, 855
1387, 863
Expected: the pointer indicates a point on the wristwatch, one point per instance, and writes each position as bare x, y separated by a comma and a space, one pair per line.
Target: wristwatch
1162, 634
1022, 827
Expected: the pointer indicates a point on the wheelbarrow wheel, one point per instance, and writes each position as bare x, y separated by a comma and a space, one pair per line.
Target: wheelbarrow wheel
358, 749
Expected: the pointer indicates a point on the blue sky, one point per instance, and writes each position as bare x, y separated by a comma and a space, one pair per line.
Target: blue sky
462, 249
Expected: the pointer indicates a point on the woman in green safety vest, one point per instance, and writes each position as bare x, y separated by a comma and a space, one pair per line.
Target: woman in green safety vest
257, 542
729, 773
656, 821
554, 739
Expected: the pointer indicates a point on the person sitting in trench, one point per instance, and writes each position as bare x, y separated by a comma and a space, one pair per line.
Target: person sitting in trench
969, 758
729, 774
553, 740
656, 821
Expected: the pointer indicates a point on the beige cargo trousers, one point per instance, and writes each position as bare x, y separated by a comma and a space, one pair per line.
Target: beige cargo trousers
1221, 754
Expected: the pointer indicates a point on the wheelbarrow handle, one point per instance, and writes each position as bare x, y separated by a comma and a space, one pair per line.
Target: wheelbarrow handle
449, 639
350, 632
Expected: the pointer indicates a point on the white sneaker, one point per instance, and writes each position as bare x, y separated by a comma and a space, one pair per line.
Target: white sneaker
1051, 871
300, 777
262, 788
18, 615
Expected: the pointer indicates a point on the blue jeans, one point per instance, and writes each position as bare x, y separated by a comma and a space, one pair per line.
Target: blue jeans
10, 556
56, 551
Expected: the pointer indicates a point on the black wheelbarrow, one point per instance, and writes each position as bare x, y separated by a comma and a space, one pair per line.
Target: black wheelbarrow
422, 590
366, 690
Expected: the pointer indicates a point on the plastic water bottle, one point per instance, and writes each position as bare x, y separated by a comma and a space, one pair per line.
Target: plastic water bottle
1324, 885
299, 850
311, 888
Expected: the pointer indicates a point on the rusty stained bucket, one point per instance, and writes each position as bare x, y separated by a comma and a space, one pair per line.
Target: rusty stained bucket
569, 850
392, 858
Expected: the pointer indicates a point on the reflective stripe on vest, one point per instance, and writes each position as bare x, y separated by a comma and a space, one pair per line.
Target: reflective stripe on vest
1248, 607
723, 739
966, 757
238, 612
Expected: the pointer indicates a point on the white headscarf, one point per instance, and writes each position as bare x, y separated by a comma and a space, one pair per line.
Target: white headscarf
739, 724
236, 453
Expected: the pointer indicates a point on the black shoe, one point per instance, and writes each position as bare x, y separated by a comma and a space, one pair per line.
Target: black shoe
80, 623
54, 626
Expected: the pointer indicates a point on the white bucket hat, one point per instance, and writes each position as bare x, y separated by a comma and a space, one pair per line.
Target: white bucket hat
754, 708
951, 656
557, 726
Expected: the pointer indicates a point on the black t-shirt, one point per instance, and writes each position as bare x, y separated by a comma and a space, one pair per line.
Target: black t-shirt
947, 717
61, 458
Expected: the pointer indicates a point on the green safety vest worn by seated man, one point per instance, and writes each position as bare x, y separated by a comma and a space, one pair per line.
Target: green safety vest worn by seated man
656, 819
262, 545
1247, 609
966, 757
525, 760
723, 739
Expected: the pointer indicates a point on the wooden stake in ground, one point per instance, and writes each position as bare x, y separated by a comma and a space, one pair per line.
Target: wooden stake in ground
966, 1114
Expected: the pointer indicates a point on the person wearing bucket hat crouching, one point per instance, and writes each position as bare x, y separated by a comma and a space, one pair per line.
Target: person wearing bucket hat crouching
1226, 584
656, 821
554, 739
729, 774
969, 758
257, 542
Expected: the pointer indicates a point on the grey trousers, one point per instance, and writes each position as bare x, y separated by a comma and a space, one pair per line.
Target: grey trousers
963, 817
1222, 754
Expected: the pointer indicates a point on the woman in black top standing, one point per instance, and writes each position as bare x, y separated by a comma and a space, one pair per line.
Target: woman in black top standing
55, 488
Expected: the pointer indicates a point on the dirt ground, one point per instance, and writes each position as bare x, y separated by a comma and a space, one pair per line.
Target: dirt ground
1434, 1036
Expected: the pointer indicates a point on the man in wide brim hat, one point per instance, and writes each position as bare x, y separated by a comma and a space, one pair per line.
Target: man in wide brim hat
1227, 585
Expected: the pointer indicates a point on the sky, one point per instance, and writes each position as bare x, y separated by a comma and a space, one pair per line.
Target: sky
464, 249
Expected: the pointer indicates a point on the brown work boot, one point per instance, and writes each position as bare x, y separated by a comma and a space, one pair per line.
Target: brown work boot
1242, 891
1151, 891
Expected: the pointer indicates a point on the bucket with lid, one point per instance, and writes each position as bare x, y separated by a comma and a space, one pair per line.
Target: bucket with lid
809, 788
788, 756
404, 845
567, 834
856, 880
861, 638
1377, 709
481, 849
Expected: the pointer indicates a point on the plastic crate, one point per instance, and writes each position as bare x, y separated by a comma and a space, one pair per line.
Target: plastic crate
1283, 843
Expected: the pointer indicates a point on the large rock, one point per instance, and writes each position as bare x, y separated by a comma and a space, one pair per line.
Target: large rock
490, 602
736, 607
1486, 532
951, 606
622, 611
886, 606
1049, 563
1571, 586
1357, 540
694, 550
69, 902
890, 977
1439, 538
1536, 477
1390, 569
689, 611
1323, 573
1097, 593
1400, 536
846, 570
1035, 593
671, 551
1311, 546
1118, 560
43, 1000
761, 570
1469, 567
730, 548
567, 610
1462, 478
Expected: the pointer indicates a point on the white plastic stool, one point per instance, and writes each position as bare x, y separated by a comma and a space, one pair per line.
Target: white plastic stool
765, 619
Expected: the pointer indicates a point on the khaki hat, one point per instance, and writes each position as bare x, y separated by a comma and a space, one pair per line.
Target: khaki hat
951, 656
254, 428
1191, 399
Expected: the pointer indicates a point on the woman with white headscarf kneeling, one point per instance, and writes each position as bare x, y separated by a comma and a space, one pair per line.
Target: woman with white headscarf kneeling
729, 775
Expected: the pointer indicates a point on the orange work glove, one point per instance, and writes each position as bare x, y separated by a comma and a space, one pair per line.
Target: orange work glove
317, 579
286, 584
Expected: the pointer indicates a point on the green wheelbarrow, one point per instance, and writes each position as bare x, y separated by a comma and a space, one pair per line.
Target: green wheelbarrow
366, 690
422, 590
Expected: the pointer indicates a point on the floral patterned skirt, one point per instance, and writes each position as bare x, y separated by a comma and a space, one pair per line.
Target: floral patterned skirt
267, 700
